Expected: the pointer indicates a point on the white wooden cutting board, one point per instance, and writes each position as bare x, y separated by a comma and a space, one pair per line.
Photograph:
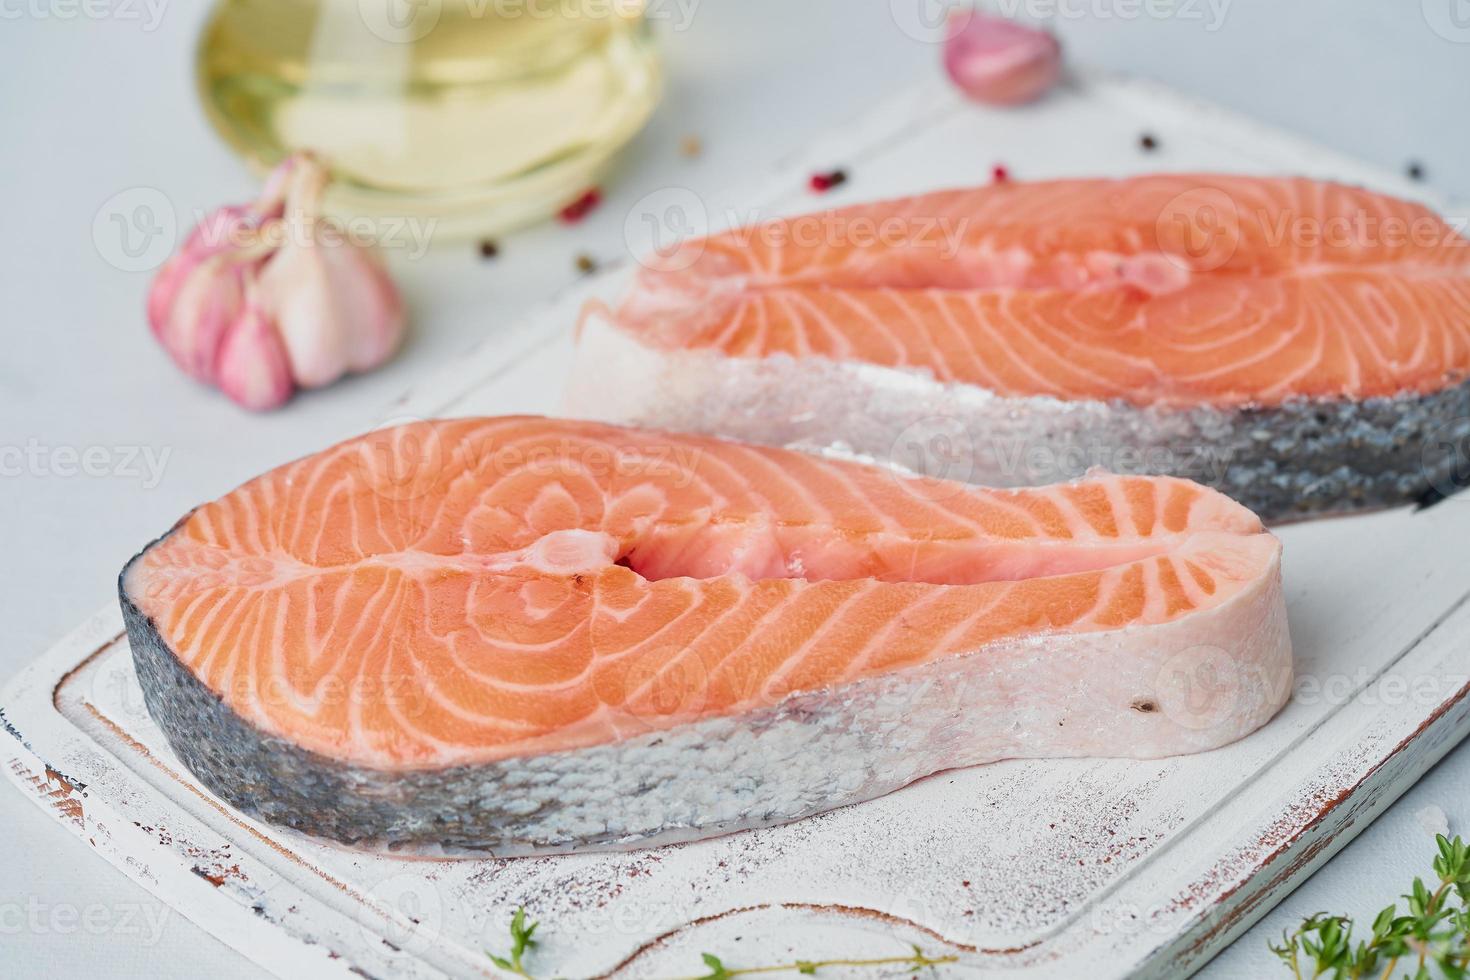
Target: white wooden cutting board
1052, 869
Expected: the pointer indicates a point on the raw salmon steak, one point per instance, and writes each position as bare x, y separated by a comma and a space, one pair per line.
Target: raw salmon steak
1301, 346
517, 635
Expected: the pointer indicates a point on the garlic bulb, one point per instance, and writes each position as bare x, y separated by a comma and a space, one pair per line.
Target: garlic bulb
270, 297
999, 61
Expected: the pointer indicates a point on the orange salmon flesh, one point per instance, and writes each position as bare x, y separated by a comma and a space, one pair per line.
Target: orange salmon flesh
1170, 289
466, 591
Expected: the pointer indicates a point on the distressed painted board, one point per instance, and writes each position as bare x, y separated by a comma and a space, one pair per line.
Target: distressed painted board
1043, 869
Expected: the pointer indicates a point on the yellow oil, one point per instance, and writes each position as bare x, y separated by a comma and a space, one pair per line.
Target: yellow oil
479, 115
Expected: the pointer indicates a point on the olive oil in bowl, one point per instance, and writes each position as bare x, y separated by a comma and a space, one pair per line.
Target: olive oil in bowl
479, 115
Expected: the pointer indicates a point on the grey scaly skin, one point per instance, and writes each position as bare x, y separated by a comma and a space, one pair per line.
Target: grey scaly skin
810, 752
1304, 458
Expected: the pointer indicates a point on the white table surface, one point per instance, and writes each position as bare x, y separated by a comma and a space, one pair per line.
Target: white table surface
97, 100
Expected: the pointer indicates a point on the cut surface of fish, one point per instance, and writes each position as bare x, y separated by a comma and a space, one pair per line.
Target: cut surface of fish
520, 635
1303, 346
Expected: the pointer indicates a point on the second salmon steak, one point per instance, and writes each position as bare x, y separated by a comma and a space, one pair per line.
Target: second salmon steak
1302, 346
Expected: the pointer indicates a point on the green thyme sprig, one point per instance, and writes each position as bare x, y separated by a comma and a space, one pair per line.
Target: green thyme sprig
1431, 940
918, 959
522, 942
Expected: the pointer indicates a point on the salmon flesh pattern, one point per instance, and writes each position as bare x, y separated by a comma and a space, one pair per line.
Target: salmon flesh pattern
1302, 346
523, 635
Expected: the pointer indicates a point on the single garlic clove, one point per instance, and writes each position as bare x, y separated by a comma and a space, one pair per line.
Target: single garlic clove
999, 61
252, 367
219, 232
208, 301
332, 301
369, 305
297, 295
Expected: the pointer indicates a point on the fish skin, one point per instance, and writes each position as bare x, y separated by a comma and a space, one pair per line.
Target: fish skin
1071, 319
691, 774
1304, 458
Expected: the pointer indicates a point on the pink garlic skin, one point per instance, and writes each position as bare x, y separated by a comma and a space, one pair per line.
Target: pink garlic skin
375, 297
207, 304
225, 229
268, 297
252, 368
335, 308
998, 61
333, 303
196, 266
